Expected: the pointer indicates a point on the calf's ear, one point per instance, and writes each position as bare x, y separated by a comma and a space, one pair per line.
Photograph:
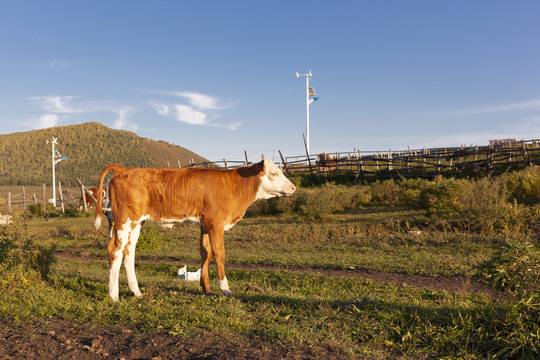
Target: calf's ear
259, 167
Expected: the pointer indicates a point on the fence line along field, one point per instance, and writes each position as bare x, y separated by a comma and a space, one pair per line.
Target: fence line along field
448, 162
464, 160
15, 198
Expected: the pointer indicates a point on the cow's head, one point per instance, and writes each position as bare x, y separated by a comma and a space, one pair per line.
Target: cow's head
273, 182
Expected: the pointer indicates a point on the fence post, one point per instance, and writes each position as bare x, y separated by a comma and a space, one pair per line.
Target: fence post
85, 204
525, 157
307, 154
44, 199
460, 158
225, 162
61, 197
24, 199
283, 162
489, 158
9, 201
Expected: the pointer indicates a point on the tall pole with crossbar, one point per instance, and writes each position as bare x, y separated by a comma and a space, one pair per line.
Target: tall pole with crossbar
310, 97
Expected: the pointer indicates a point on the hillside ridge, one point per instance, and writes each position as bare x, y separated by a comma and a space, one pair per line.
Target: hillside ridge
26, 156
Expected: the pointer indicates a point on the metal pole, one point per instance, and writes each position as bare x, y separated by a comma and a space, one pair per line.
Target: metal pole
53, 175
307, 113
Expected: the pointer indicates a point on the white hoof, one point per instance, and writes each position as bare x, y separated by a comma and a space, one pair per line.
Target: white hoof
227, 292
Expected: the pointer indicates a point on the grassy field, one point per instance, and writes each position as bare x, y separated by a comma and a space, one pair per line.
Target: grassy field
304, 286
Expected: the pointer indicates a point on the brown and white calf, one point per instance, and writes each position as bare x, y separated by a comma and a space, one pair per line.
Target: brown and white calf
212, 198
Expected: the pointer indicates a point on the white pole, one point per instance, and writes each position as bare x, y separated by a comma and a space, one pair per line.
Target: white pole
307, 111
53, 175
308, 102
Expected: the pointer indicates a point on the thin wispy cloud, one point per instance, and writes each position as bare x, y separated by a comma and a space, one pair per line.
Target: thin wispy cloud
203, 102
504, 107
500, 108
59, 108
59, 64
55, 104
123, 119
47, 120
196, 109
190, 116
161, 109
530, 125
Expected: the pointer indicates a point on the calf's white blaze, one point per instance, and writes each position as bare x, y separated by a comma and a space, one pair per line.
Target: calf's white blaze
274, 183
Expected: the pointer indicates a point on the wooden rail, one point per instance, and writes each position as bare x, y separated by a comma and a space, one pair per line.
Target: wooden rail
422, 162
450, 161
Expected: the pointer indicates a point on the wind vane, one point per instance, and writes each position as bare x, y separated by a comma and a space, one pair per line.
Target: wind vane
310, 97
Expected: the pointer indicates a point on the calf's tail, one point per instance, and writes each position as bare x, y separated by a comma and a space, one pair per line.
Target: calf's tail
99, 206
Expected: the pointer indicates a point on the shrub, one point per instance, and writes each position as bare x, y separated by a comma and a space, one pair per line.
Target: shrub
385, 192
524, 185
16, 250
411, 191
35, 210
73, 212
316, 202
6, 244
443, 196
320, 202
360, 196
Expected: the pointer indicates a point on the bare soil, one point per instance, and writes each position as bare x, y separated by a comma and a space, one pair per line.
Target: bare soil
58, 339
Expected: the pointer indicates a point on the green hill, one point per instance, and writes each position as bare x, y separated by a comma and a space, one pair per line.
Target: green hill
25, 157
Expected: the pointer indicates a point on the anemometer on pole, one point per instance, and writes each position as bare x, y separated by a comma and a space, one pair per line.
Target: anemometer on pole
56, 158
310, 97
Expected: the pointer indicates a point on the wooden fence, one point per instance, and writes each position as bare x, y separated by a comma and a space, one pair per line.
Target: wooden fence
450, 161
24, 199
421, 162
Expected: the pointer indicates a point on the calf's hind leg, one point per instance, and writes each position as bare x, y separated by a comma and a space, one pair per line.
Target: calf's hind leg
115, 262
129, 260
206, 255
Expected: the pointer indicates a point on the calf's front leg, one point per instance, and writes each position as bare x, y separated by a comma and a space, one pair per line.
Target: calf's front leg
218, 249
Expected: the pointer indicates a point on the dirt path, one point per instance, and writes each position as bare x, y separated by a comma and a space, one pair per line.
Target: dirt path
458, 284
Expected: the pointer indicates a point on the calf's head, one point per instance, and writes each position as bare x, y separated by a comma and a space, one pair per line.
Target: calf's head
273, 182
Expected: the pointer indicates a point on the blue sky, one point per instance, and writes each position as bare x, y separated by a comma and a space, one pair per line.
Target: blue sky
218, 77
